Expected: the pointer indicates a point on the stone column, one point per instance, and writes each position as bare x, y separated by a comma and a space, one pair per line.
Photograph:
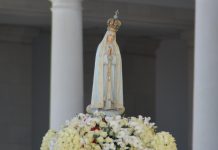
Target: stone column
66, 96
205, 133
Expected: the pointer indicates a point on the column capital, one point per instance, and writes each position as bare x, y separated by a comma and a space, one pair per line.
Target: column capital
66, 4
65, 1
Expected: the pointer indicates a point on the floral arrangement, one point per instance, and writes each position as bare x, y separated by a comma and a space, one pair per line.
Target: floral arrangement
100, 132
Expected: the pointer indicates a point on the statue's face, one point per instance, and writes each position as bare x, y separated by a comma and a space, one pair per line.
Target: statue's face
110, 37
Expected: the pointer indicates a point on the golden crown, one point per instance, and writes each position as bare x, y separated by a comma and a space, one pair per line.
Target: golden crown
114, 23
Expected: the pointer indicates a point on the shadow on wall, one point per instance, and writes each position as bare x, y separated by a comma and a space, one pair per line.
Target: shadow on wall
40, 88
24, 88
172, 90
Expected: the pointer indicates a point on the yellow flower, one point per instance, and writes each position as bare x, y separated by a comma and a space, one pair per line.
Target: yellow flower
103, 134
68, 139
108, 140
102, 124
47, 139
97, 147
89, 136
147, 135
164, 141
100, 140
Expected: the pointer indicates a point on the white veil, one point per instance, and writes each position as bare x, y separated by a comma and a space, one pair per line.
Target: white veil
97, 89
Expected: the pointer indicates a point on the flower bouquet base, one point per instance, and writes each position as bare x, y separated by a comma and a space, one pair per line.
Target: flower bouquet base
101, 132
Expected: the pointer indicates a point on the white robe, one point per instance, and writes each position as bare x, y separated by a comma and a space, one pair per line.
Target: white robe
99, 89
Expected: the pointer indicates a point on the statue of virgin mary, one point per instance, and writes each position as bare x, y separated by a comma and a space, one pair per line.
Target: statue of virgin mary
107, 90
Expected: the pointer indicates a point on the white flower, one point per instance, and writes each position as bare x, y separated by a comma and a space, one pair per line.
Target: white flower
100, 132
109, 146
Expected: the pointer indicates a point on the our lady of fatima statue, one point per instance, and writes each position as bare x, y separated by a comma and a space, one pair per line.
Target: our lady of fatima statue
107, 90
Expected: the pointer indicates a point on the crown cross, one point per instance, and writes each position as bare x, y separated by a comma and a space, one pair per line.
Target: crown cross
116, 14
114, 23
